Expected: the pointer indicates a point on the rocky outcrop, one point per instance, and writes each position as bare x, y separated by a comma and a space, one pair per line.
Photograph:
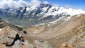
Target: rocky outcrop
71, 31
13, 37
41, 44
64, 34
67, 45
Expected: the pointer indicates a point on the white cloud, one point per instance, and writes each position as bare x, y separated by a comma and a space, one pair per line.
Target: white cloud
34, 2
46, 2
12, 3
18, 3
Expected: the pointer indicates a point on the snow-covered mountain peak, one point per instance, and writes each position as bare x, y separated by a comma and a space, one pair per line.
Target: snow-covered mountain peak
49, 9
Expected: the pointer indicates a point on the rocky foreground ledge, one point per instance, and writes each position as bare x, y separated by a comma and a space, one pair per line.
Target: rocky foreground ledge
66, 34
12, 37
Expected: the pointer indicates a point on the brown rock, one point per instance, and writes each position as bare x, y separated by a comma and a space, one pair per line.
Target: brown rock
2, 46
67, 45
4, 30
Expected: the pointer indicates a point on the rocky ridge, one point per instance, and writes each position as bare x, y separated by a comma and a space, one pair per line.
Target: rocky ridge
63, 34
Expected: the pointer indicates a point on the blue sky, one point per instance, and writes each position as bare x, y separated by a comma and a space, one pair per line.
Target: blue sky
76, 4
68, 3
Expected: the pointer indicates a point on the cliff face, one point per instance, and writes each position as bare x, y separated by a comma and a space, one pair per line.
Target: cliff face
63, 34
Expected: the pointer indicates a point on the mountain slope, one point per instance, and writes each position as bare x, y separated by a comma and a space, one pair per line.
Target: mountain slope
42, 26
71, 32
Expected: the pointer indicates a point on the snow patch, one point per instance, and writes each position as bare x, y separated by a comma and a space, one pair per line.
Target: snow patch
0, 29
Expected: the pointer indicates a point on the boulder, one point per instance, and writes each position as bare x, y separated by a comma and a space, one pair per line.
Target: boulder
41, 44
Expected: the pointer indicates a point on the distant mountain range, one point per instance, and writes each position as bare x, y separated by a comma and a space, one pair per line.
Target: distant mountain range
33, 15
